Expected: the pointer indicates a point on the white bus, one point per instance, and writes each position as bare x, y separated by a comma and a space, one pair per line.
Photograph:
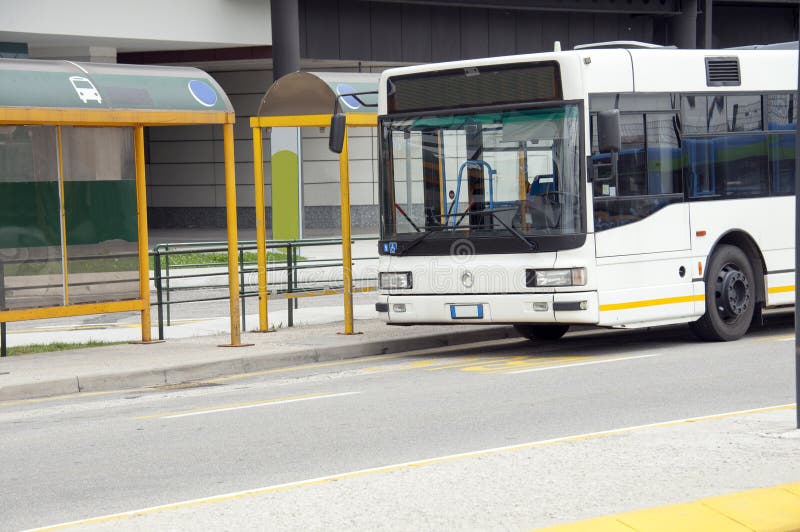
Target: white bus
619, 187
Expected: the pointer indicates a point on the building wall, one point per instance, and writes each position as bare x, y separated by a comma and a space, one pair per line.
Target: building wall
375, 31
740, 25
186, 174
139, 25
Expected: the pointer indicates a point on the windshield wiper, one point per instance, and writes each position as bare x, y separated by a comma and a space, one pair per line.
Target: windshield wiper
490, 212
407, 217
420, 238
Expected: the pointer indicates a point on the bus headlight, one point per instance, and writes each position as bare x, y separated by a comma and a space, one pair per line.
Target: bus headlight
395, 281
563, 277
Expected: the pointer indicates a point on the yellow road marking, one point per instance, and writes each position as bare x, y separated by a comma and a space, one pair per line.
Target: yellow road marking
305, 366
773, 338
238, 406
57, 397
498, 365
775, 508
398, 467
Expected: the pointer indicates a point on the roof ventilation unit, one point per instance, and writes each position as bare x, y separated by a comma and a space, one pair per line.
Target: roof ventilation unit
723, 72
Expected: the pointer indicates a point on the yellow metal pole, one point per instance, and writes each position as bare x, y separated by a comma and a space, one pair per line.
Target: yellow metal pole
141, 210
261, 235
440, 141
233, 236
523, 188
63, 216
347, 258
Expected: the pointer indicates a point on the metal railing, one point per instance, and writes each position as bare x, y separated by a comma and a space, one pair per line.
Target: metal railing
291, 269
291, 277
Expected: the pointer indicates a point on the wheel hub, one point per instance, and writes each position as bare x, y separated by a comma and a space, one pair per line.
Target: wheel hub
734, 293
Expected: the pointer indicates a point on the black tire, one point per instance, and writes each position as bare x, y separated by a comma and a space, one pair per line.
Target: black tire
730, 296
542, 333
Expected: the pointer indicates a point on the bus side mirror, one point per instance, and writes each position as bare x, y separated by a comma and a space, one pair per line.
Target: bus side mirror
338, 129
609, 137
609, 141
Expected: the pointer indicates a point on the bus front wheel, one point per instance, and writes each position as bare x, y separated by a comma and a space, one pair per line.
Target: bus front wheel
730, 296
542, 332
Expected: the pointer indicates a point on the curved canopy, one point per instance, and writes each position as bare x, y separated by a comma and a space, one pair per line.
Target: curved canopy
314, 93
103, 89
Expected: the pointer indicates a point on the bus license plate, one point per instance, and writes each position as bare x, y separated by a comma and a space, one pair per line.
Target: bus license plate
474, 312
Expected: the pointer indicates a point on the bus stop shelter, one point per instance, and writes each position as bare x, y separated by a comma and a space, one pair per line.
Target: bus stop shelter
307, 99
73, 202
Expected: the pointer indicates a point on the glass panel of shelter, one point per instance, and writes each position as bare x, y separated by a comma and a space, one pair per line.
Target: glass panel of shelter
100, 214
31, 272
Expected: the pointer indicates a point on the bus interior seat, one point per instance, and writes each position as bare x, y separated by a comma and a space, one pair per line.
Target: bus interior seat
542, 184
545, 210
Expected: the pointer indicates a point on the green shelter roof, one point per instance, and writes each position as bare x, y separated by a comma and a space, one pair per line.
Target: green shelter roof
38, 84
314, 93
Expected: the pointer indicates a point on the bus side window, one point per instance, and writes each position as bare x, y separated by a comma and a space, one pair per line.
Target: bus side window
650, 171
729, 157
781, 122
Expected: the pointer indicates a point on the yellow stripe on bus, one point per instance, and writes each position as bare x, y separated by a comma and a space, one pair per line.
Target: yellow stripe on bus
778, 289
651, 303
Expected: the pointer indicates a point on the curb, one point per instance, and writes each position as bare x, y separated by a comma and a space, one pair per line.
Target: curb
182, 373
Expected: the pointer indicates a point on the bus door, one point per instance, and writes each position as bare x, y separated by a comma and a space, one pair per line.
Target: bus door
641, 224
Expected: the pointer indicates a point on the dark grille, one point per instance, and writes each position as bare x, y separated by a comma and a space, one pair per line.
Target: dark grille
723, 71
474, 87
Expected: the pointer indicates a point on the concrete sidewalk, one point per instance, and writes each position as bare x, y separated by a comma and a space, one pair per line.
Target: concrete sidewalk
198, 355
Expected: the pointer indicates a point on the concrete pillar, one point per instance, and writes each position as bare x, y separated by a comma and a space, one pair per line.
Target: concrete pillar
285, 37
708, 13
286, 148
684, 26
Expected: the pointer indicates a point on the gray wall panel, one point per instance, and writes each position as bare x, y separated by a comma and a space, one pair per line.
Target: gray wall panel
445, 31
581, 29
387, 33
416, 34
355, 30
555, 27
322, 35
502, 33
606, 27
474, 33
528, 32
753, 25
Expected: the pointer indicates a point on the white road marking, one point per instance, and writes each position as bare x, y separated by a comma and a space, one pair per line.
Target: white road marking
545, 368
272, 402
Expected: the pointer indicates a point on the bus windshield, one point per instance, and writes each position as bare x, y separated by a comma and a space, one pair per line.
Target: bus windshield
514, 173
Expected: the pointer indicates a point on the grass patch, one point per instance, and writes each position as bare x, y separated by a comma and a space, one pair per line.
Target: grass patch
56, 346
214, 259
131, 264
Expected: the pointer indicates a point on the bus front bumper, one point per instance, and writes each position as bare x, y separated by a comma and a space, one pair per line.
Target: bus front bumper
571, 307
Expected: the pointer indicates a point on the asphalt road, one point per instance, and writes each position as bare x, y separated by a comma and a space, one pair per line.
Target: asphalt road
75, 458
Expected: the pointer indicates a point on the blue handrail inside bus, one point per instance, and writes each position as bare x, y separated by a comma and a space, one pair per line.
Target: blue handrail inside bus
474, 162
